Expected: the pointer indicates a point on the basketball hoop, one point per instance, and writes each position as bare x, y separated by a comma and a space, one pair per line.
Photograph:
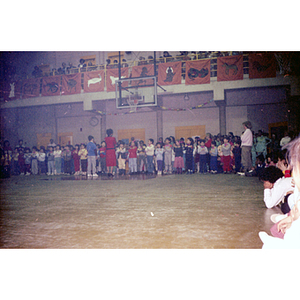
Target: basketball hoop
134, 99
130, 89
133, 103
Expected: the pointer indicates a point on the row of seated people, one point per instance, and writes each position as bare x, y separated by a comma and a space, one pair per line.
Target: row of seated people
83, 67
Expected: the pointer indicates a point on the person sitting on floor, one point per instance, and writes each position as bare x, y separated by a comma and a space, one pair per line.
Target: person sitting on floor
259, 167
289, 226
275, 186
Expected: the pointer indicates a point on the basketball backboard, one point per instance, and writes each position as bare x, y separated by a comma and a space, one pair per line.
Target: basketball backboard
136, 92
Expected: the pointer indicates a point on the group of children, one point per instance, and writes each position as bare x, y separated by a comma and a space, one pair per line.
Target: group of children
213, 154
165, 157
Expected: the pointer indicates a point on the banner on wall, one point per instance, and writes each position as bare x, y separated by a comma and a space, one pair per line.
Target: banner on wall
71, 84
31, 87
169, 73
230, 68
142, 71
197, 72
93, 81
262, 65
51, 85
112, 75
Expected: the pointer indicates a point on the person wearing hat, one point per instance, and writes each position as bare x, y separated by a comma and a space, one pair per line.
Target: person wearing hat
247, 142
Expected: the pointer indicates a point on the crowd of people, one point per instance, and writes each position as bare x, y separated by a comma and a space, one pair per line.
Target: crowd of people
245, 155
84, 66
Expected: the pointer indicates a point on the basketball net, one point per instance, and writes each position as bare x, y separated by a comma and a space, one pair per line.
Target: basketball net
133, 100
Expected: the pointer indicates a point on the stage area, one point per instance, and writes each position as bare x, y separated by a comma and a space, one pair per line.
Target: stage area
138, 212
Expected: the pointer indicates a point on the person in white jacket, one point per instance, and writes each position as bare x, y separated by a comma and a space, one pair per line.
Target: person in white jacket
276, 186
289, 226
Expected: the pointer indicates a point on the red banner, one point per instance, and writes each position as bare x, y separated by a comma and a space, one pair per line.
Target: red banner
197, 72
169, 73
230, 68
142, 71
31, 87
262, 65
51, 85
112, 75
93, 81
71, 84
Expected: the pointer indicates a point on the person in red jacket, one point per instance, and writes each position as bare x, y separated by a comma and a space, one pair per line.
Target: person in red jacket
111, 160
132, 157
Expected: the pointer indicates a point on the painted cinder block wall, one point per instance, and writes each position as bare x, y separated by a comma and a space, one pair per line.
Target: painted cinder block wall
207, 115
261, 106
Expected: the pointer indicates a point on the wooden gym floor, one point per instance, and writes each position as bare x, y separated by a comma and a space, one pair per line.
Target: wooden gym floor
222, 211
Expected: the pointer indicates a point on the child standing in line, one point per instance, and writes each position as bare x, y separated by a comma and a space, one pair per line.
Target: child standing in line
41, 161
15, 158
27, 158
72, 160
226, 149
150, 154
202, 150
178, 162
67, 155
132, 155
6, 163
92, 153
141, 157
213, 158
159, 151
57, 160
62, 160
218, 141
197, 155
34, 161
232, 159
21, 161
50, 156
102, 155
121, 156
168, 156
208, 140
189, 155
182, 143
76, 159
83, 159
237, 152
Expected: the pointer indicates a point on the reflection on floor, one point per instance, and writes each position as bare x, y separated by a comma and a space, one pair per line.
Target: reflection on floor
103, 177
137, 212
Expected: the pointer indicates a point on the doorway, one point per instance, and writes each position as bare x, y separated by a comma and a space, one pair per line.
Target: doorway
43, 139
65, 138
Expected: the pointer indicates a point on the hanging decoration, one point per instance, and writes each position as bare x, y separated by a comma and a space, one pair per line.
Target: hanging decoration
162, 107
